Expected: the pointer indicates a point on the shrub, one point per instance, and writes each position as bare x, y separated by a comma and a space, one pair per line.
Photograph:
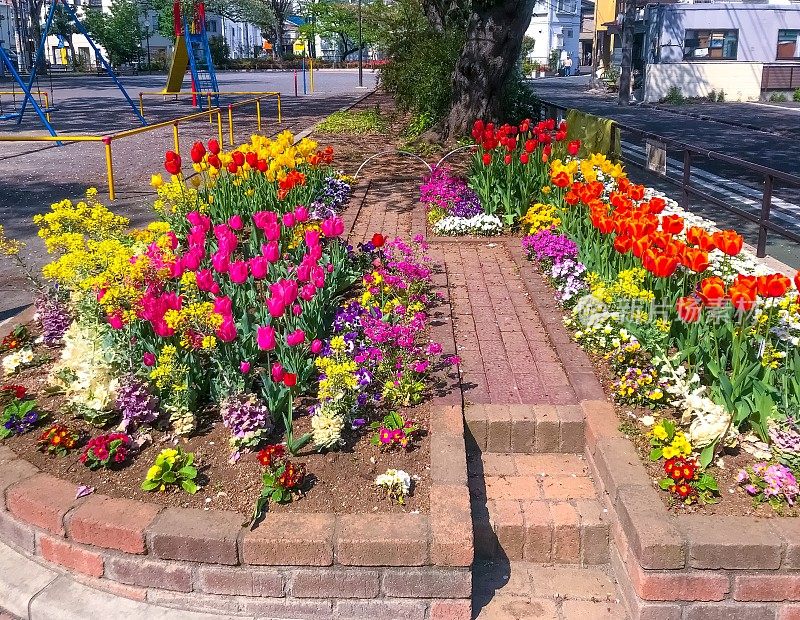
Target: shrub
674, 96
777, 97
796, 94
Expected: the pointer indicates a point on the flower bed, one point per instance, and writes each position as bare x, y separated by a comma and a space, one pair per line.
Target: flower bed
700, 339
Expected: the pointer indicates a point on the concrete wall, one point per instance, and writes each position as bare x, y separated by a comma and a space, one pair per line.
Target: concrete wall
758, 26
741, 81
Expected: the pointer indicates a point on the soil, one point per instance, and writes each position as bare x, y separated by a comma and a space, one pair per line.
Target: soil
732, 499
336, 482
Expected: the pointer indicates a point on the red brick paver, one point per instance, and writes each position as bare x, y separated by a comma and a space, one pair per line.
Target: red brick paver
505, 354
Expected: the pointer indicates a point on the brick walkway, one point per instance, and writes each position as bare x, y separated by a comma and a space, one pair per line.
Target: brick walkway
541, 535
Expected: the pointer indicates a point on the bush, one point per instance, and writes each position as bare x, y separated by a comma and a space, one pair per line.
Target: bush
778, 97
674, 96
796, 94
355, 122
420, 78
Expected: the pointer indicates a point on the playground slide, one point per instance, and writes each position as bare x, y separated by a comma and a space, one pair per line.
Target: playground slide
180, 60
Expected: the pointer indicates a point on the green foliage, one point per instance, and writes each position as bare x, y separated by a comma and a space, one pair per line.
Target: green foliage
336, 20
553, 60
796, 94
118, 31
172, 467
220, 51
778, 97
517, 101
355, 122
674, 96
420, 74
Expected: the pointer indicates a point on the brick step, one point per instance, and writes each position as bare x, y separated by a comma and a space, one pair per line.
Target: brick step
525, 429
538, 508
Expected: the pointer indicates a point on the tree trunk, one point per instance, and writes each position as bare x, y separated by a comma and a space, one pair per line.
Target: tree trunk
492, 48
278, 37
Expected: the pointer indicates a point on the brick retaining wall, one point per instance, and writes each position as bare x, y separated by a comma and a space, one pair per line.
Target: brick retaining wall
294, 565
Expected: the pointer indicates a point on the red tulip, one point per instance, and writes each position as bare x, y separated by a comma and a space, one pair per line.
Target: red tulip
213, 146
198, 151
238, 158
773, 285
487, 159
688, 309
378, 240
695, 259
172, 163
289, 379
573, 147
523, 158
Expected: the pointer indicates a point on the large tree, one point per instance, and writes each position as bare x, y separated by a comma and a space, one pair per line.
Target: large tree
118, 31
338, 20
493, 42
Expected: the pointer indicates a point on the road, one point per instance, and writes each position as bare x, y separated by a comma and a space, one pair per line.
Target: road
774, 144
32, 177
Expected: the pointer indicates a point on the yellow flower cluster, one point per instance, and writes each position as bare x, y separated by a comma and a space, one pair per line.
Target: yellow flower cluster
340, 376
175, 197
557, 166
196, 322
539, 217
9, 247
168, 372
679, 446
599, 163
627, 286
280, 153
299, 232
68, 226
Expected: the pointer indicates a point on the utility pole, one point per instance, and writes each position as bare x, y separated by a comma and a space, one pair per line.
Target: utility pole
360, 49
626, 77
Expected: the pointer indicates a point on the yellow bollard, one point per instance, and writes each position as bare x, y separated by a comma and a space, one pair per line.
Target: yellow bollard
258, 113
230, 123
311, 63
175, 138
141, 104
219, 128
109, 168
279, 108
47, 106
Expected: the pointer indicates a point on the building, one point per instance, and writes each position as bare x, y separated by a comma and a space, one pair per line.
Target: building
739, 48
606, 35
586, 34
555, 27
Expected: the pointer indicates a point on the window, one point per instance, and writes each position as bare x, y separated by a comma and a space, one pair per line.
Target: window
212, 26
710, 44
788, 44
568, 33
567, 6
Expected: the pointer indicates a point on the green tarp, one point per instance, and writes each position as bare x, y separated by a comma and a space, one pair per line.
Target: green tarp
594, 132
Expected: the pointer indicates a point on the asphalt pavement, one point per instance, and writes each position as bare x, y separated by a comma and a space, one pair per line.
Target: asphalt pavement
33, 176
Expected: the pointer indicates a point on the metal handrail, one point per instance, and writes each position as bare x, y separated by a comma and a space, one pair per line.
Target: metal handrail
770, 176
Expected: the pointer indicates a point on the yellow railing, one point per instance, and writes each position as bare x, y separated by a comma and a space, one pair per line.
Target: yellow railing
38, 93
107, 140
209, 95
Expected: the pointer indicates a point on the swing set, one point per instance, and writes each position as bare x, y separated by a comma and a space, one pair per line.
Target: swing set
43, 107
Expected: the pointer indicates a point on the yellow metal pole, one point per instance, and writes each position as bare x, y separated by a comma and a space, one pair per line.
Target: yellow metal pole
219, 127
210, 115
258, 113
109, 168
47, 106
175, 138
141, 104
279, 108
311, 67
230, 123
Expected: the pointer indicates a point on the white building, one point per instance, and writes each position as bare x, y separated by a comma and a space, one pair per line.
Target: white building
555, 27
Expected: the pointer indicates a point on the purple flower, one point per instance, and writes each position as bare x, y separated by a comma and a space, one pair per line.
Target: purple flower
134, 400
547, 246
247, 418
54, 316
442, 190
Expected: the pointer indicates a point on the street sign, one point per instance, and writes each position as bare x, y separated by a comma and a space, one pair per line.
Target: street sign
299, 47
267, 46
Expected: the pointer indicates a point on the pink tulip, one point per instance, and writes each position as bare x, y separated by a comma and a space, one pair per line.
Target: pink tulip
227, 330
235, 222
148, 359
265, 338
264, 218
277, 372
191, 260
272, 232
115, 320
307, 292
162, 329
259, 267
195, 218
301, 214
205, 281
329, 268
276, 307
238, 272
312, 238
271, 251
196, 237
244, 367
316, 252
176, 269
288, 220
316, 346
332, 227
296, 337
223, 305
297, 310
220, 261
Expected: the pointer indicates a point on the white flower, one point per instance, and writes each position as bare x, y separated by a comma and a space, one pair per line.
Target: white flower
481, 224
26, 356
10, 363
647, 420
327, 425
395, 479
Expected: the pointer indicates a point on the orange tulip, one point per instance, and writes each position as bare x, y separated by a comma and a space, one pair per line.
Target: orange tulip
561, 179
659, 264
657, 204
688, 309
622, 244
636, 192
701, 238
729, 241
743, 297
797, 280
712, 291
773, 285
695, 259
640, 246
672, 224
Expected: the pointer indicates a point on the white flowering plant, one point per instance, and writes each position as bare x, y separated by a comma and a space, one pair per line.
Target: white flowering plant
480, 225
396, 483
